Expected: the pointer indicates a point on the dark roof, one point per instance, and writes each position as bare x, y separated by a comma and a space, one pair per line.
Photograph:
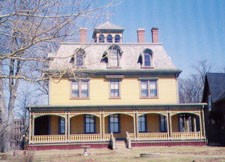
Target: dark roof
216, 82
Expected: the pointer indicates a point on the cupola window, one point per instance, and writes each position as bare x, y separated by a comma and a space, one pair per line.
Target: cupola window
109, 38
101, 38
117, 39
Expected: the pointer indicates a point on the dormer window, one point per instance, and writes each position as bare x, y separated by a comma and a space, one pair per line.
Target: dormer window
109, 38
117, 39
114, 56
147, 58
101, 38
78, 58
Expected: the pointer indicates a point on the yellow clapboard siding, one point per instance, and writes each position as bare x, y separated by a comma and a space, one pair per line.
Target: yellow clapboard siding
99, 92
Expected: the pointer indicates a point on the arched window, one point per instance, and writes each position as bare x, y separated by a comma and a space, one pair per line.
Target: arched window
101, 38
109, 38
78, 58
117, 39
147, 57
114, 56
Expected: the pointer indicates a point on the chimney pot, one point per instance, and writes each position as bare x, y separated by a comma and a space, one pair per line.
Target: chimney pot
83, 35
155, 35
141, 35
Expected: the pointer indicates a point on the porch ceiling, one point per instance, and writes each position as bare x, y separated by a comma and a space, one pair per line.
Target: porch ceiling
189, 106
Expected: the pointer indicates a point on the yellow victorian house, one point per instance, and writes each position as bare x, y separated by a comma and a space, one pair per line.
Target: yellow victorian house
106, 93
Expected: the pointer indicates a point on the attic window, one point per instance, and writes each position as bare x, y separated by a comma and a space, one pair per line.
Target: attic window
146, 58
78, 58
114, 56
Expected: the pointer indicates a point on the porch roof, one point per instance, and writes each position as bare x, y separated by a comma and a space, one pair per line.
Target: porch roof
192, 106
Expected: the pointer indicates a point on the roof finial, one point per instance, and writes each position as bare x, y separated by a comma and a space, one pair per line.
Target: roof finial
107, 16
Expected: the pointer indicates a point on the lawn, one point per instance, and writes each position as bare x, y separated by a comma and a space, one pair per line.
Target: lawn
173, 154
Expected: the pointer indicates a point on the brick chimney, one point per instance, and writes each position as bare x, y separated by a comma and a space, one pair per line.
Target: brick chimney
141, 35
83, 35
155, 35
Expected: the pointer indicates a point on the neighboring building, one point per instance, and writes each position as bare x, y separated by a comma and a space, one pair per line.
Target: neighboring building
107, 90
214, 95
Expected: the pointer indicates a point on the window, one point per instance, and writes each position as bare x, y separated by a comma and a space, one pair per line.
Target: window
114, 56
163, 123
89, 124
147, 58
61, 125
114, 88
109, 38
80, 89
117, 39
209, 103
142, 126
114, 123
101, 38
148, 88
181, 123
78, 58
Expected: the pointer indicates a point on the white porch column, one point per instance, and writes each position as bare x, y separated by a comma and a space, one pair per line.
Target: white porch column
68, 127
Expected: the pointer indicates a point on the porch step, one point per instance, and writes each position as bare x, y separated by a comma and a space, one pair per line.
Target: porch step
121, 145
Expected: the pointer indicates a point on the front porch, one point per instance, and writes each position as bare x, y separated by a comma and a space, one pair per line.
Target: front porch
101, 126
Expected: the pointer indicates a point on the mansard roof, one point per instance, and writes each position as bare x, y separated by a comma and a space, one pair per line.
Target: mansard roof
216, 83
94, 53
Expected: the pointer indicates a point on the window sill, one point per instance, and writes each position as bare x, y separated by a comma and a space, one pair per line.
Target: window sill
74, 98
149, 97
114, 67
147, 67
115, 98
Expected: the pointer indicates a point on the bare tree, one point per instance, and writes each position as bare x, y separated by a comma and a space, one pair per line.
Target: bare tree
26, 28
191, 88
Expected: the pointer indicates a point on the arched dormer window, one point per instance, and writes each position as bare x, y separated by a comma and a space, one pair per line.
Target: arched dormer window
109, 38
114, 56
78, 58
117, 39
101, 38
147, 58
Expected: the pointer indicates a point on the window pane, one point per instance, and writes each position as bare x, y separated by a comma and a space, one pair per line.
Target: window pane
75, 93
79, 59
147, 59
89, 124
74, 85
114, 123
142, 123
153, 88
114, 88
101, 39
144, 88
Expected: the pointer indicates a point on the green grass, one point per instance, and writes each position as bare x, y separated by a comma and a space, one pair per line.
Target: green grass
173, 154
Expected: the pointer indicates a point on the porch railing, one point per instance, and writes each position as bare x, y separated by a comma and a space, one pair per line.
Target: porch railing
84, 137
48, 138
108, 136
153, 136
186, 135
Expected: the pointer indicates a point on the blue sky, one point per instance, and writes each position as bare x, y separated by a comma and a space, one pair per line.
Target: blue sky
190, 30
